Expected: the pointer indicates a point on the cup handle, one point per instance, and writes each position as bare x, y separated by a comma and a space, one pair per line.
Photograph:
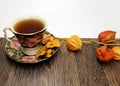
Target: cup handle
5, 33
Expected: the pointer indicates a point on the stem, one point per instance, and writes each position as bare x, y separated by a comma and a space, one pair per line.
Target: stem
62, 38
94, 42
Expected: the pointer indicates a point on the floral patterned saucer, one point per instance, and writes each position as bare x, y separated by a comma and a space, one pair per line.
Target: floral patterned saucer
13, 50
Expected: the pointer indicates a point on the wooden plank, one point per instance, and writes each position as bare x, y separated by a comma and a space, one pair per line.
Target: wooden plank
90, 70
65, 68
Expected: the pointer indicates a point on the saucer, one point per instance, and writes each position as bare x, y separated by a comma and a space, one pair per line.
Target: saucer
14, 51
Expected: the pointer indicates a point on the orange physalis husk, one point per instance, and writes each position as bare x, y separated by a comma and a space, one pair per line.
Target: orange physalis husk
107, 36
116, 49
105, 54
74, 43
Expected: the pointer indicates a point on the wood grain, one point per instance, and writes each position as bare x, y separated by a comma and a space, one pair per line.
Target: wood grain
65, 68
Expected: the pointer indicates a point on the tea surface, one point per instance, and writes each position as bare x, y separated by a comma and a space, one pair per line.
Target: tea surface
28, 26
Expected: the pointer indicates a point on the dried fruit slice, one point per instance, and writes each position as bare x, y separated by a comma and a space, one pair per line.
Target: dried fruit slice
41, 52
49, 53
47, 39
54, 43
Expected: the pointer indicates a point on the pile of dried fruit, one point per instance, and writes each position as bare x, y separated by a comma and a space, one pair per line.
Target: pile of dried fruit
48, 48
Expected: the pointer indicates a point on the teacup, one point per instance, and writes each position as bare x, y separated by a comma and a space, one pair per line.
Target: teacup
29, 32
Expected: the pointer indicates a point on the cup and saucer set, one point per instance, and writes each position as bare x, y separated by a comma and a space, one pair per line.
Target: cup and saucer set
28, 34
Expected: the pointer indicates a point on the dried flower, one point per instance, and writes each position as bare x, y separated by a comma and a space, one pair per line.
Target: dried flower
116, 49
105, 54
74, 43
107, 36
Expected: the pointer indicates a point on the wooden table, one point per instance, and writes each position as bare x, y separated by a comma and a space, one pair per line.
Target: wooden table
65, 68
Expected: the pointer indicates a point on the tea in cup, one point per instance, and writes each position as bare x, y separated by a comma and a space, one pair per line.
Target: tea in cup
29, 31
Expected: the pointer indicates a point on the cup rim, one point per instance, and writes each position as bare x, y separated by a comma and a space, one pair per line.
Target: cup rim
13, 22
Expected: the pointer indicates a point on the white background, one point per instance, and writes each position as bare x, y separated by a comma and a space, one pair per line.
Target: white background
86, 18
